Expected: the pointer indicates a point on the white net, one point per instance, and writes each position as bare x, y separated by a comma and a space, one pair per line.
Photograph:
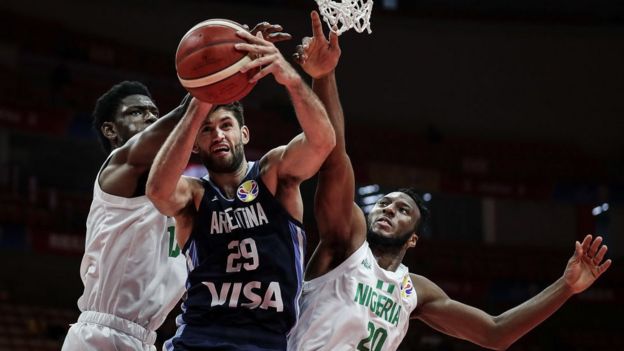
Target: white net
346, 14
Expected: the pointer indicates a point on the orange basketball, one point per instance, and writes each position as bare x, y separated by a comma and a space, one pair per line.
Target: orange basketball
208, 64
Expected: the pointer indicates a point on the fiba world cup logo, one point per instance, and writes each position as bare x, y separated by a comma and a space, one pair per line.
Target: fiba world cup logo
247, 191
407, 288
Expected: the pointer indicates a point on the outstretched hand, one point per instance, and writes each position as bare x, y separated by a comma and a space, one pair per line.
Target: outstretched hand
586, 265
266, 57
317, 55
271, 32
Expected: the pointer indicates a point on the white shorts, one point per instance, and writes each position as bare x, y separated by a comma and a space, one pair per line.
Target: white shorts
96, 331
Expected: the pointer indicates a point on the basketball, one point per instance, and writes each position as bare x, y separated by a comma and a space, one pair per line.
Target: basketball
208, 64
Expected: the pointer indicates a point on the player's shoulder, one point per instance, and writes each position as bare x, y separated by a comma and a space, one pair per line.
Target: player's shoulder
193, 183
271, 158
422, 281
192, 180
428, 291
113, 170
117, 156
270, 170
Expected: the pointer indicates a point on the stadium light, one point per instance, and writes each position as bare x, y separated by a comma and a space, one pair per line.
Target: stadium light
368, 189
600, 209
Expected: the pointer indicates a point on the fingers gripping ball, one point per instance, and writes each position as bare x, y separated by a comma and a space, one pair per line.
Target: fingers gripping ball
208, 64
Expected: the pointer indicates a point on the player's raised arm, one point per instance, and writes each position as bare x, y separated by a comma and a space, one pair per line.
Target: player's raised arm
166, 187
303, 156
499, 332
341, 223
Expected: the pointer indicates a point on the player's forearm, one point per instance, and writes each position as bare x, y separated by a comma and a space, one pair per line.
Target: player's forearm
514, 323
335, 187
326, 89
173, 157
312, 117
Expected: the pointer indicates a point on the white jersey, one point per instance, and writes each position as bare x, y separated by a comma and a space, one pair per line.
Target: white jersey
132, 272
356, 306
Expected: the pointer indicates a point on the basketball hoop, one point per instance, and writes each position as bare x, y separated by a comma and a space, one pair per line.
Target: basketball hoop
346, 14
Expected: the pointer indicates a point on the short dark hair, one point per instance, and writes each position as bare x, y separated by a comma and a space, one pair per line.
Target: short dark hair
424, 211
236, 108
108, 103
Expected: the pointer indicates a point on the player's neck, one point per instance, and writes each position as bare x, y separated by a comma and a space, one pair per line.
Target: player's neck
388, 258
229, 182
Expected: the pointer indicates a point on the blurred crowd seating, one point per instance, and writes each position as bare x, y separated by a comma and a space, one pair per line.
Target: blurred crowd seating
33, 328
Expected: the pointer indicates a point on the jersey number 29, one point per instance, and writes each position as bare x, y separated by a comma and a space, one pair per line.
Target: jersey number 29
243, 254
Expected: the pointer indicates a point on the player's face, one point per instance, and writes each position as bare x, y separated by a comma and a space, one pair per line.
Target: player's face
135, 113
392, 220
220, 142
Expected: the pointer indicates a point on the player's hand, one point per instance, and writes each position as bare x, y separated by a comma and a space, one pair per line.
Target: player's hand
270, 32
268, 58
317, 55
586, 265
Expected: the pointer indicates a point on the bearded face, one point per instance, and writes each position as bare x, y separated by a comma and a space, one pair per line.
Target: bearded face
224, 161
392, 221
134, 114
221, 142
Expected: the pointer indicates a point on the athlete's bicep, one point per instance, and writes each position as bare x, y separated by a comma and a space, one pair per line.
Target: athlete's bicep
333, 201
118, 178
449, 316
300, 159
182, 198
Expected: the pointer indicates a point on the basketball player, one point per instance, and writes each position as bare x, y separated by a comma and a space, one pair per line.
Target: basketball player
357, 294
132, 271
240, 226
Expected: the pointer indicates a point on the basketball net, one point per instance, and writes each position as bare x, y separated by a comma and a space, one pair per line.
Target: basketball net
346, 14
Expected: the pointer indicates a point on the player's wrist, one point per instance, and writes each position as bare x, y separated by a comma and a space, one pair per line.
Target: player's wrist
324, 75
566, 287
294, 82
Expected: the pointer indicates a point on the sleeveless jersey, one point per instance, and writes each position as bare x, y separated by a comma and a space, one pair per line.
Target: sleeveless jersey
356, 306
245, 270
131, 267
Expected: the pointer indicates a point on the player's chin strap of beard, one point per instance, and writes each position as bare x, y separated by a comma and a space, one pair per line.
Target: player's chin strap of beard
383, 242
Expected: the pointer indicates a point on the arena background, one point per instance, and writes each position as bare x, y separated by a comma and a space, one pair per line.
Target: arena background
506, 115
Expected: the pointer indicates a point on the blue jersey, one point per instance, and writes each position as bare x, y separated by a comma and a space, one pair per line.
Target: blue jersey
245, 264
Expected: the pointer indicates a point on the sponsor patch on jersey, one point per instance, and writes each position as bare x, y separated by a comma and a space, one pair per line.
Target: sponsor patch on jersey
247, 191
407, 288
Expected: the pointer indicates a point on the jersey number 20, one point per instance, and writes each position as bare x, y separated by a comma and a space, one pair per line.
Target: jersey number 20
375, 340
